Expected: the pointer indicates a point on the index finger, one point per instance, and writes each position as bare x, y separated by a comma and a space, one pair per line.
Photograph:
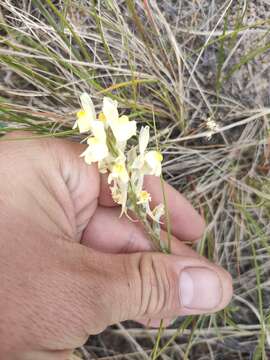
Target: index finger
185, 222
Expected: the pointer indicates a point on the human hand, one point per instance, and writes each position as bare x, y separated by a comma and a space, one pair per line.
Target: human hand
69, 266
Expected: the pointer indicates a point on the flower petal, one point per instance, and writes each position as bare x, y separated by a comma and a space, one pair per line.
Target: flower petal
153, 161
109, 109
98, 130
96, 151
123, 130
119, 171
143, 139
83, 122
158, 212
88, 106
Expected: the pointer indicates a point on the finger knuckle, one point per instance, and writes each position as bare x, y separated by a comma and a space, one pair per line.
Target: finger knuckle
157, 285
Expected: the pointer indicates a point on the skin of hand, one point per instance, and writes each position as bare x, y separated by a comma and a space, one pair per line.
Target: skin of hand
69, 266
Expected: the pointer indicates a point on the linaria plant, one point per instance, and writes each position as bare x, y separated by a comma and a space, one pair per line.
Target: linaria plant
107, 135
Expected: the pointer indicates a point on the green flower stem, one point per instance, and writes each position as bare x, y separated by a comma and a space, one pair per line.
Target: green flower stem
136, 208
140, 213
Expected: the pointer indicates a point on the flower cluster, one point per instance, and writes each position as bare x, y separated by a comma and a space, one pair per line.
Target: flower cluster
107, 146
212, 126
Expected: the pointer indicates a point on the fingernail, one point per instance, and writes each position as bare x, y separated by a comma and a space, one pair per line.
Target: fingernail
200, 289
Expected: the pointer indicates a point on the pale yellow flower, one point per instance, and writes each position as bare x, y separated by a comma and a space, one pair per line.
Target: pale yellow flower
153, 160
109, 133
96, 151
86, 115
147, 163
119, 192
122, 128
98, 131
212, 126
119, 172
109, 110
158, 212
144, 197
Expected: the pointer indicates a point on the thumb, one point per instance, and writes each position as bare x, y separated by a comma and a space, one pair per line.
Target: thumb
152, 285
